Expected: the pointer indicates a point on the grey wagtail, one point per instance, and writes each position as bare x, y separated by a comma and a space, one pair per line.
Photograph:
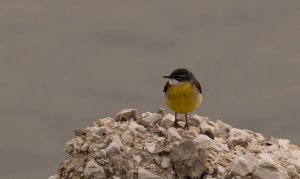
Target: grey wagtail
183, 92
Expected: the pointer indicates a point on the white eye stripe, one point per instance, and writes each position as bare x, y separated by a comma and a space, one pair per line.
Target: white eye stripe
173, 82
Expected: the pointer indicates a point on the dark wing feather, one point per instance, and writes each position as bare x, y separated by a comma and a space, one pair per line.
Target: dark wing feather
167, 85
197, 84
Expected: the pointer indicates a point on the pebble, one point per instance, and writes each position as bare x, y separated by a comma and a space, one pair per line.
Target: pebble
135, 128
54, 177
126, 136
244, 165
93, 170
168, 120
150, 146
203, 141
267, 170
113, 152
127, 114
151, 118
145, 174
116, 139
165, 162
173, 135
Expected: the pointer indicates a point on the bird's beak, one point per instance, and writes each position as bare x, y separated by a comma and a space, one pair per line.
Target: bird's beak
167, 77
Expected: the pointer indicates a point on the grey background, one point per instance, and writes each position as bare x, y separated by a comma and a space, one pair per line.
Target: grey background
66, 63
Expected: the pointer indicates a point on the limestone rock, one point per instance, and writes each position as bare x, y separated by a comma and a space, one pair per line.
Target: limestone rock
92, 169
165, 162
187, 160
267, 170
168, 120
150, 146
116, 139
145, 174
173, 135
114, 154
54, 177
127, 114
244, 165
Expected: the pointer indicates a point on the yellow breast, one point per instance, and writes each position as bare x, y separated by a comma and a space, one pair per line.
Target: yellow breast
183, 98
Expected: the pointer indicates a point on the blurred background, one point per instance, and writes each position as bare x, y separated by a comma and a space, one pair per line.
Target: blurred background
64, 64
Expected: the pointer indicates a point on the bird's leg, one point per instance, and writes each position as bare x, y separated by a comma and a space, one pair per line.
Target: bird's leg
186, 124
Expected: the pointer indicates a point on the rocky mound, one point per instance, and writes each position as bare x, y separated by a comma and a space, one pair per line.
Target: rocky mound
148, 147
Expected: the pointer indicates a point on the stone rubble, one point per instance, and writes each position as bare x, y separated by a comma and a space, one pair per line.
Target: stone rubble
130, 146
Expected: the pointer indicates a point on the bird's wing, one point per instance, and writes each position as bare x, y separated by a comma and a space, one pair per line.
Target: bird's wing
197, 84
167, 85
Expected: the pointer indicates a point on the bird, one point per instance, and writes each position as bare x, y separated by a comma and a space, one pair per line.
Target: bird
183, 93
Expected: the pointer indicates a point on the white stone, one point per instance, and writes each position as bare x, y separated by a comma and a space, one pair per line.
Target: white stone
126, 136
145, 174
161, 140
292, 172
173, 135
295, 153
116, 139
93, 170
135, 128
127, 114
244, 165
103, 131
150, 146
168, 120
152, 118
137, 158
54, 177
203, 141
239, 134
113, 152
266, 157
85, 147
284, 144
267, 170
165, 162
296, 163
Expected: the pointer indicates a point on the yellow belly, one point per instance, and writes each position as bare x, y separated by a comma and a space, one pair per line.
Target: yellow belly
183, 98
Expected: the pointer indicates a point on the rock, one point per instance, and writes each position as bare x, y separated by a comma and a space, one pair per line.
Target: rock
168, 120
267, 170
151, 118
284, 144
165, 162
187, 160
137, 158
266, 157
126, 136
207, 149
93, 170
135, 128
240, 142
54, 177
244, 165
114, 154
127, 114
203, 141
79, 132
292, 172
296, 164
116, 139
150, 147
145, 174
161, 140
173, 135
104, 122
103, 131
